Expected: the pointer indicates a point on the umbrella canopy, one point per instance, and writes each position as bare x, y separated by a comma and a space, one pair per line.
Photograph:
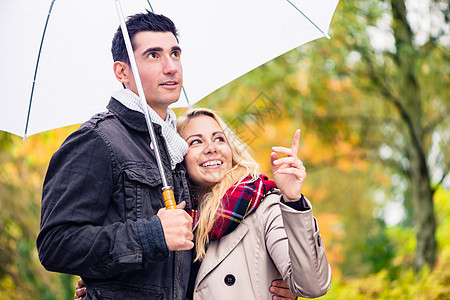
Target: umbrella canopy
221, 40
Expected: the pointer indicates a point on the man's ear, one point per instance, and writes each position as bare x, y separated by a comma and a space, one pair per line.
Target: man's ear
122, 71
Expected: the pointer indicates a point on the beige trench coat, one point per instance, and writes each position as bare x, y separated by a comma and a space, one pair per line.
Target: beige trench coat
242, 264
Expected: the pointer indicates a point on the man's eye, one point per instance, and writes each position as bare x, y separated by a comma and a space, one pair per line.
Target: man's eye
152, 55
176, 54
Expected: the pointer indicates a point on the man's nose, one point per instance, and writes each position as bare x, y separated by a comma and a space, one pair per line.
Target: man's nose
169, 66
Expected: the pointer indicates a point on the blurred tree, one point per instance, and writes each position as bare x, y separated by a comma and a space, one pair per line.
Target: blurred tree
407, 111
378, 92
406, 105
22, 169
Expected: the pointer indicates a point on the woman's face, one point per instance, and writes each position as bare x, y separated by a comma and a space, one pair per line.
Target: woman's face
209, 155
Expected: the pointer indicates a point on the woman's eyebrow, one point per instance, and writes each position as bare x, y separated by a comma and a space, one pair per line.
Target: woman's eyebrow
201, 135
195, 135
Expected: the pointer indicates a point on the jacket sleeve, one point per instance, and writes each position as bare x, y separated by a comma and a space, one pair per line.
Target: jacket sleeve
294, 243
76, 236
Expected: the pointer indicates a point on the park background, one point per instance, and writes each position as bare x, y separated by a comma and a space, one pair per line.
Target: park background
373, 105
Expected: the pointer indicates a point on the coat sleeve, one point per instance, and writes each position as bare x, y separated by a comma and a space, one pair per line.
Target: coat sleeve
76, 236
294, 243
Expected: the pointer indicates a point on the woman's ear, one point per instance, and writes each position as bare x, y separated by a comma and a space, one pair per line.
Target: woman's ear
122, 71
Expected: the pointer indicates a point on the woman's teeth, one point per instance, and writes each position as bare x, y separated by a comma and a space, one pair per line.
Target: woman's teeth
212, 163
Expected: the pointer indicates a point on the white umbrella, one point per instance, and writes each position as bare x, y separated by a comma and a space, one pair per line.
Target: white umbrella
221, 40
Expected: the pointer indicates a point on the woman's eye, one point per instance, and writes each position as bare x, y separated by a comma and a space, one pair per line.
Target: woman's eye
219, 139
194, 142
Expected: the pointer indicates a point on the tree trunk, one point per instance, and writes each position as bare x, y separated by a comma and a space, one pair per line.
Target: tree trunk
425, 223
410, 107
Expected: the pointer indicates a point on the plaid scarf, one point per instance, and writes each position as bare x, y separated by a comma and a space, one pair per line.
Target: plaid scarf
237, 203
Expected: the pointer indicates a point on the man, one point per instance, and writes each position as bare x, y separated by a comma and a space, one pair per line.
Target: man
102, 215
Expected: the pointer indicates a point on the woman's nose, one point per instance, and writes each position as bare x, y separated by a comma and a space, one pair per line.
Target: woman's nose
210, 148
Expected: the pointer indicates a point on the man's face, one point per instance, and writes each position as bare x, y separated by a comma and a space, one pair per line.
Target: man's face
158, 61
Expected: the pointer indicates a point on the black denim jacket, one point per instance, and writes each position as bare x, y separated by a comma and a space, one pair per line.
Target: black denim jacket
100, 198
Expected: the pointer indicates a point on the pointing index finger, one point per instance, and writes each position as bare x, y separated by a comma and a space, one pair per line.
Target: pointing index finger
296, 142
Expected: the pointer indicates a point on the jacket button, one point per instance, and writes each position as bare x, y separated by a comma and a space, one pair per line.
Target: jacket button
159, 257
230, 279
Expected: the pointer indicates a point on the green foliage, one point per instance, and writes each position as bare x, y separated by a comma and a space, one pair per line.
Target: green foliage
5, 141
399, 280
378, 249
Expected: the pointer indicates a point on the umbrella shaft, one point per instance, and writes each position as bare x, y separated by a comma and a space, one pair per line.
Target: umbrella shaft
134, 68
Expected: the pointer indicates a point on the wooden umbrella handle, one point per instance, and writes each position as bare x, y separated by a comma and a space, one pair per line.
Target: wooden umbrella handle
169, 198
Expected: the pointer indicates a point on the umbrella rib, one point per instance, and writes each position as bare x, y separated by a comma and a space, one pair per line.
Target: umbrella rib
151, 8
36, 69
187, 99
184, 91
299, 10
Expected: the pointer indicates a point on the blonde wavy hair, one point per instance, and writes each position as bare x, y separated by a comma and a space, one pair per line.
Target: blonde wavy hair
243, 165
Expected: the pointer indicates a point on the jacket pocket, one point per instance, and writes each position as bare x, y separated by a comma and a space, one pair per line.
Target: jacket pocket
143, 196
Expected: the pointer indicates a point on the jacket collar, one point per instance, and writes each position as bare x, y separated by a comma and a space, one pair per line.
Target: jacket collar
131, 118
219, 250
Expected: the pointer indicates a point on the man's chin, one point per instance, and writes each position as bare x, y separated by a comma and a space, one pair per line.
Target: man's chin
173, 98
168, 100
172, 101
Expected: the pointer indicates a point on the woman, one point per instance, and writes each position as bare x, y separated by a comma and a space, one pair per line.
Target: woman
240, 238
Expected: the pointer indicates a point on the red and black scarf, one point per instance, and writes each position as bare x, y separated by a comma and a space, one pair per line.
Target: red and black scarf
238, 202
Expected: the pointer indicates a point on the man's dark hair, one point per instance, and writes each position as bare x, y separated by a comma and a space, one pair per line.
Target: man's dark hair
135, 24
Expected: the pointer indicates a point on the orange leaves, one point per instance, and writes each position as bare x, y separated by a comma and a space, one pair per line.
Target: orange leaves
333, 235
313, 150
39, 148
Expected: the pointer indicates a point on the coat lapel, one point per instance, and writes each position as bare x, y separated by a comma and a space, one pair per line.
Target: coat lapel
219, 250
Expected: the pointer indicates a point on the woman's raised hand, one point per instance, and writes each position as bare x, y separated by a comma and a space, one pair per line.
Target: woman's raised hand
288, 172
